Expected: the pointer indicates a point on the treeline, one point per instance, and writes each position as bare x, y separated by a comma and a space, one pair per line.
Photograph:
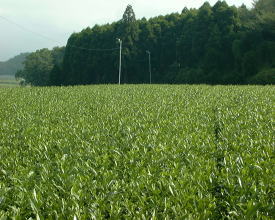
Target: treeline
217, 44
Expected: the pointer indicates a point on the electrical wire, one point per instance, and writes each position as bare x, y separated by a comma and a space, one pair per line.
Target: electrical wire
50, 39
83, 48
27, 30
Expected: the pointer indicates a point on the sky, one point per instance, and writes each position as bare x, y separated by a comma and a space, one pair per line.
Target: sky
29, 25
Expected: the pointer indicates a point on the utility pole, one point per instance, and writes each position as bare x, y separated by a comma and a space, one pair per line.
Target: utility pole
149, 54
119, 70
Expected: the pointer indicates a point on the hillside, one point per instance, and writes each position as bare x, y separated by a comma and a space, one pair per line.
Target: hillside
10, 66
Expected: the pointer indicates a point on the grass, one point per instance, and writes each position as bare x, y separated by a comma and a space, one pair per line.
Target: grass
137, 152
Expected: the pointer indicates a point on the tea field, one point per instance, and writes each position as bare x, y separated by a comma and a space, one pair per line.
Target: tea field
137, 152
8, 81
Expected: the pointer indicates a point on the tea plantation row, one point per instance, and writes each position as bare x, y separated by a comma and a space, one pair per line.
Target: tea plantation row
137, 152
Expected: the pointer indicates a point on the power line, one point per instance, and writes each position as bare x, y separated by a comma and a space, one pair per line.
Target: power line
83, 48
50, 39
28, 30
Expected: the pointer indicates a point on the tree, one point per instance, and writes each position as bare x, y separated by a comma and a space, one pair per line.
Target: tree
38, 67
128, 33
264, 10
55, 77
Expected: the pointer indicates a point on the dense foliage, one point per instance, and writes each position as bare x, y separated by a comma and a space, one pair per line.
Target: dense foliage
41, 67
137, 152
11, 66
217, 44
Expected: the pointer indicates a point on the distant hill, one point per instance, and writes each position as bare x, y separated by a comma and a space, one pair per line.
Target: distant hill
11, 66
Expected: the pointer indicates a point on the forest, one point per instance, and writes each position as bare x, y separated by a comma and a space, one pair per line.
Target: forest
217, 44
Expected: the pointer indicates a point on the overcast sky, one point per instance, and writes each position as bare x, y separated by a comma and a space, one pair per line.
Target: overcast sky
58, 19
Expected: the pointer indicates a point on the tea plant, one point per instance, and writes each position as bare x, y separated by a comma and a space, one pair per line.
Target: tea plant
137, 152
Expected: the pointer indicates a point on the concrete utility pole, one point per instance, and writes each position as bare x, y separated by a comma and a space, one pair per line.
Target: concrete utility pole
119, 70
149, 54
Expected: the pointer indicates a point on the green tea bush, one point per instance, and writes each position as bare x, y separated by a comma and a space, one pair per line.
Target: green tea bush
137, 152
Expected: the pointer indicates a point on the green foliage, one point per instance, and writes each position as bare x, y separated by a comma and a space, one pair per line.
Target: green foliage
266, 76
37, 68
225, 44
42, 68
137, 152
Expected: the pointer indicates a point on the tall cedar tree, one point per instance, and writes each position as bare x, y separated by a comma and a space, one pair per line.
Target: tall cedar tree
128, 33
